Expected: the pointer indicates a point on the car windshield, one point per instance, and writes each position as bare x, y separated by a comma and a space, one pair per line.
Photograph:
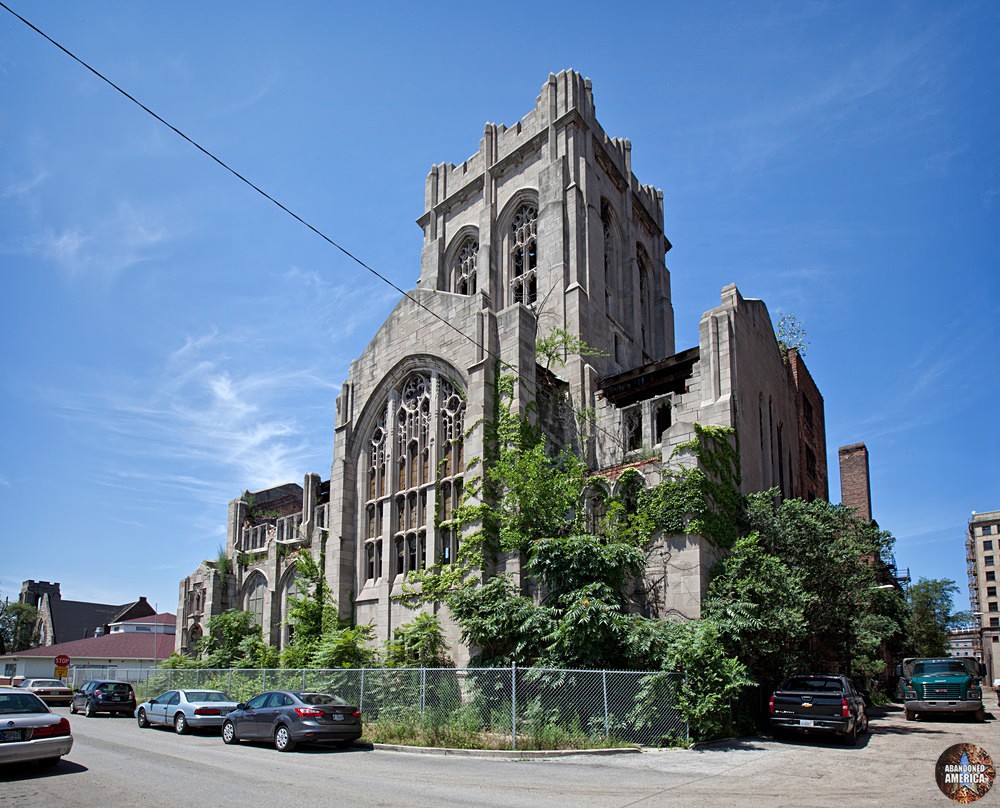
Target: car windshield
21, 703
320, 698
812, 683
938, 666
206, 695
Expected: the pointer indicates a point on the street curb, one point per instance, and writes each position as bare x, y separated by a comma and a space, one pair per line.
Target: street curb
500, 753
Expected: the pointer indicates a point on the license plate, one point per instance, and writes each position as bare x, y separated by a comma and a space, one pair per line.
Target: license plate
806, 722
337, 717
10, 735
116, 697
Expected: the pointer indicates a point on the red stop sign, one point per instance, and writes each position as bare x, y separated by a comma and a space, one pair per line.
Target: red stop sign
62, 661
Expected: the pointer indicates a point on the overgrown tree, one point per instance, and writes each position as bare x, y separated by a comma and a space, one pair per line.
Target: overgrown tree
418, 644
837, 557
931, 601
233, 640
759, 603
320, 639
18, 626
791, 334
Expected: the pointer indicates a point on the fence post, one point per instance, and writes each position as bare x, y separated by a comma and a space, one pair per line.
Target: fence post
197, 677
361, 700
423, 690
170, 679
513, 705
303, 678
687, 724
604, 680
263, 678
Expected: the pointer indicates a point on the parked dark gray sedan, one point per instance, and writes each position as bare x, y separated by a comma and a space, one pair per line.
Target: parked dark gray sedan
287, 718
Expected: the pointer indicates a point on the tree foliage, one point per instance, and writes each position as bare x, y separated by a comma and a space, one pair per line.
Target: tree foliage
791, 334
233, 640
418, 644
319, 639
759, 603
559, 344
18, 626
930, 601
835, 558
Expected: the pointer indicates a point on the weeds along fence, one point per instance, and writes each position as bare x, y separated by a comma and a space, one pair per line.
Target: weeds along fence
514, 707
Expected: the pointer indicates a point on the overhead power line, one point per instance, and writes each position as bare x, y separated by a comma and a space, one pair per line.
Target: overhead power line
615, 438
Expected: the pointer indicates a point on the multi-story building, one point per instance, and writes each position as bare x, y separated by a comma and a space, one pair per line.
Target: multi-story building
982, 546
545, 229
965, 642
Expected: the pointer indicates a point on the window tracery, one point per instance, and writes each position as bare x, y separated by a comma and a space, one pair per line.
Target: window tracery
464, 268
524, 255
426, 444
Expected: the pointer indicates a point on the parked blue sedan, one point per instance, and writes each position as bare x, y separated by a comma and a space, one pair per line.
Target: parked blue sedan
287, 718
185, 710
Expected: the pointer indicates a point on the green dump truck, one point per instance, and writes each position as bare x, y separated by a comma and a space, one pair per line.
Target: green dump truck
943, 685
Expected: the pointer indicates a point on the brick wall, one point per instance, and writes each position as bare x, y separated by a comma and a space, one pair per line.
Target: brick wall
855, 485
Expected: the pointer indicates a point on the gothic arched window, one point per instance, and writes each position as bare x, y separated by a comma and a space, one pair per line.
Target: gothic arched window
523, 270
463, 268
427, 422
612, 262
255, 594
291, 592
645, 322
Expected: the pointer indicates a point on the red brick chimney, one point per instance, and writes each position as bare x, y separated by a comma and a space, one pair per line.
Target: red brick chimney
855, 485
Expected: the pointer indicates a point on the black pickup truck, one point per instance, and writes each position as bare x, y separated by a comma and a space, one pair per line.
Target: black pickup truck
819, 703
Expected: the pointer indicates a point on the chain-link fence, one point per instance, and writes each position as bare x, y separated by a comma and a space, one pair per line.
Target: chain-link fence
513, 708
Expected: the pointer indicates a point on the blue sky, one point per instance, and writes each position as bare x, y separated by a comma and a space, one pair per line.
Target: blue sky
174, 339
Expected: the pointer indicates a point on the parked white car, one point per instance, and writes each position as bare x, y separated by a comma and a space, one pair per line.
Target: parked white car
185, 710
29, 730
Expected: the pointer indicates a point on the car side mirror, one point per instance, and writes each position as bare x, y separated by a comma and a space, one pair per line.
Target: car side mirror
152, 701
241, 706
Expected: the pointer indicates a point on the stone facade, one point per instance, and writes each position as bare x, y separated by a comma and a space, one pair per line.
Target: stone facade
545, 227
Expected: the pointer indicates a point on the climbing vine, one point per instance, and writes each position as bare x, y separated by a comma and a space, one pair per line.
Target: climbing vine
705, 499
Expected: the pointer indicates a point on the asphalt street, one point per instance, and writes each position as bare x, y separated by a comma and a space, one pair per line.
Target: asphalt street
114, 763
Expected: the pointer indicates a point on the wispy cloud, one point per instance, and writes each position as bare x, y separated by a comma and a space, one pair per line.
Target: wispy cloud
23, 187
122, 239
248, 101
883, 89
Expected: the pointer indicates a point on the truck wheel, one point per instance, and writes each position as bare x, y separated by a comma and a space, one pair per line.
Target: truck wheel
851, 738
911, 716
979, 716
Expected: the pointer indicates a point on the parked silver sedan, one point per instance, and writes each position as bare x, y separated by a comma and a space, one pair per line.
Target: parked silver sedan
185, 710
30, 731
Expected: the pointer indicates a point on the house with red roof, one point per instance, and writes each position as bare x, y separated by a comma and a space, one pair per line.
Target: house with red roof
135, 644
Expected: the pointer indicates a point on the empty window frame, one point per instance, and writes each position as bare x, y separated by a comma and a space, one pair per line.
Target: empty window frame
663, 418
632, 428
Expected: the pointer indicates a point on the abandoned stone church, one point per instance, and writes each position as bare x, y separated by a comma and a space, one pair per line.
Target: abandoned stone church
544, 227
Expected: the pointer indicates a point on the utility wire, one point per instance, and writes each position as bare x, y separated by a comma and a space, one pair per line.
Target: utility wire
615, 438
238, 175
